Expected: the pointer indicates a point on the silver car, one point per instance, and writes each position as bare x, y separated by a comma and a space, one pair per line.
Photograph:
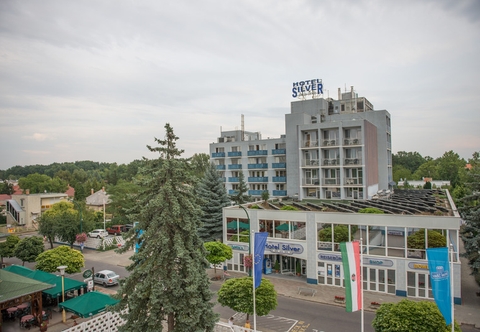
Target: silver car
106, 278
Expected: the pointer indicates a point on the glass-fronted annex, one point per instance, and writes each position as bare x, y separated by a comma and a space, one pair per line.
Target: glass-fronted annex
307, 242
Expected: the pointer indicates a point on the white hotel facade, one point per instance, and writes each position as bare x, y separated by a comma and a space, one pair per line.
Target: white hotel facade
340, 151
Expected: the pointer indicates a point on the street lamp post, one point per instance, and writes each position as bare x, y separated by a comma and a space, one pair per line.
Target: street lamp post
62, 273
80, 211
249, 240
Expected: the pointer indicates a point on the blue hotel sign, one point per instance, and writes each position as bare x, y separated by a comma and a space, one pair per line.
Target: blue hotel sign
304, 88
284, 248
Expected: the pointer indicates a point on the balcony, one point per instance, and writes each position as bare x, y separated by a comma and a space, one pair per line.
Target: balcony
310, 162
353, 181
279, 165
235, 166
310, 144
311, 182
257, 166
235, 154
218, 154
279, 151
279, 179
233, 179
255, 192
352, 141
353, 161
257, 153
258, 179
279, 193
220, 167
331, 162
232, 192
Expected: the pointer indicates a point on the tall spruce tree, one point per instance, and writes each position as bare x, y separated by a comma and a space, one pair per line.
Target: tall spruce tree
214, 198
470, 212
241, 196
168, 284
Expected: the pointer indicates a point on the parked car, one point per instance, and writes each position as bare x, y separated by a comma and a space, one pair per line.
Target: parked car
106, 278
98, 233
116, 229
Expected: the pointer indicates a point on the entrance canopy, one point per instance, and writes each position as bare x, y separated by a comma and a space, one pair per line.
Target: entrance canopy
88, 304
48, 278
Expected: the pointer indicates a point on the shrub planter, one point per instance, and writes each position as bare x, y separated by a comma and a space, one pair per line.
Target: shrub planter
375, 305
339, 299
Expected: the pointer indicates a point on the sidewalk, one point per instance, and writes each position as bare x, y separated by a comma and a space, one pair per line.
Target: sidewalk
287, 285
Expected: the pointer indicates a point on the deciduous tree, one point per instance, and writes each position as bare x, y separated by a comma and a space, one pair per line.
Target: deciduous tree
28, 249
218, 253
409, 315
168, 272
7, 248
49, 260
237, 294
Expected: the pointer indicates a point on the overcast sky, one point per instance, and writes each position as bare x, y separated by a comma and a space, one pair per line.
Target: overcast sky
98, 80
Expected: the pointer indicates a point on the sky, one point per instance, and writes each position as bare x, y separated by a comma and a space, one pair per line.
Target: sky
98, 80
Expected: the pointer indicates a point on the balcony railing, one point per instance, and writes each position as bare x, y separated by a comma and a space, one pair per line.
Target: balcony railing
234, 179
331, 162
255, 192
353, 161
310, 144
329, 142
279, 179
279, 165
235, 166
235, 154
279, 151
256, 166
220, 166
257, 153
352, 141
311, 182
334, 182
218, 154
258, 179
232, 192
353, 181
279, 193
310, 162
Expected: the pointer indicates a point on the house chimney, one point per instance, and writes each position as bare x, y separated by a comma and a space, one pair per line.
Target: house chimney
27, 191
352, 92
91, 191
339, 94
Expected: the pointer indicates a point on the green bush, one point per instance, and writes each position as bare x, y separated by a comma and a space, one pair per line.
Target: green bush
371, 210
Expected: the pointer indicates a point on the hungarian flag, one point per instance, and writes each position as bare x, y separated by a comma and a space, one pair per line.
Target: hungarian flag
351, 270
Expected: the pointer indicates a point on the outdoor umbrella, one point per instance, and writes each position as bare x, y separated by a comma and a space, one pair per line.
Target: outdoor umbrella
235, 224
284, 227
88, 304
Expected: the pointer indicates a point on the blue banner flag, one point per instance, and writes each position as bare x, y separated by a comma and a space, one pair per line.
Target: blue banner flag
440, 279
258, 251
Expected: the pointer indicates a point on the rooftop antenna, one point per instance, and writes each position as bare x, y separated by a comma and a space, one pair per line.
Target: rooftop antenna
243, 129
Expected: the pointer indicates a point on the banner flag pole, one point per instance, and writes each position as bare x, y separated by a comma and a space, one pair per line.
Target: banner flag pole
451, 286
253, 283
361, 284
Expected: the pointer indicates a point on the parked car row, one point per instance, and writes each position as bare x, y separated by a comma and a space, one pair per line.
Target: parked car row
113, 230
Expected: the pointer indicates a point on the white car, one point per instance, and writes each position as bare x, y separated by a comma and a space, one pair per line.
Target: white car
106, 278
98, 233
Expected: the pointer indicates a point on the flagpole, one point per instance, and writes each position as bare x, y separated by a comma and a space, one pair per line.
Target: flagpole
451, 286
361, 283
253, 274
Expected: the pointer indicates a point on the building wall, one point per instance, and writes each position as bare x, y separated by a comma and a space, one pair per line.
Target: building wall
408, 275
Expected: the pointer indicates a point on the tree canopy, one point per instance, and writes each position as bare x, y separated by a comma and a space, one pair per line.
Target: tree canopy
7, 248
49, 260
417, 239
237, 294
39, 183
28, 249
407, 315
218, 253
170, 263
